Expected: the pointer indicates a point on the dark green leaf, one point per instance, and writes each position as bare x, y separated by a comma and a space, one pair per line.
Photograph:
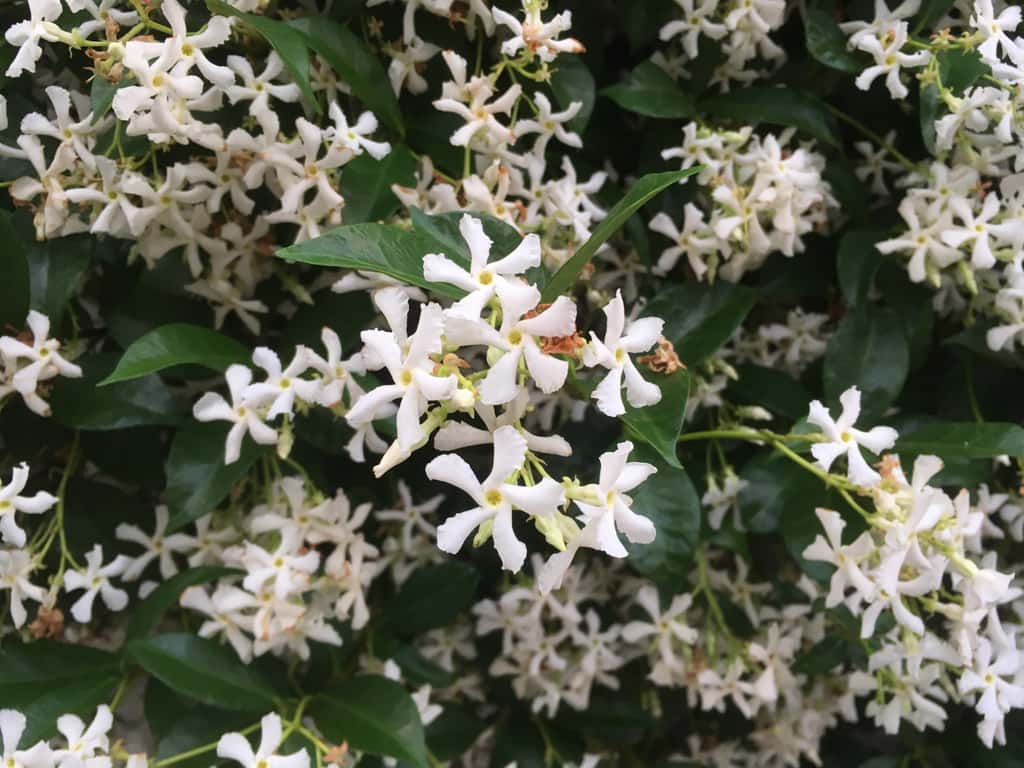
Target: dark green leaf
151, 610
381, 248
776, 106
443, 230
929, 13
643, 190
869, 350
453, 732
822, 657
571, 81
699, 318
28, 670
650, 91
518, 741
197, 477
291, 45
80, 699
101, 95
964, 440
432, 597
973, 339
770, 388
929, 110
373, 714
619, 717
354, 63
670, 501
775, 487
858, 260
177, 344
659, 425
418, 669
179, 724
366, 184
203, 670
15, 285
913, 303
56, 268
827, 43
83, 404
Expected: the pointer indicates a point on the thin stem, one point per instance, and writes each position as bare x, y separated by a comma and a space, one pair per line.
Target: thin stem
902, 159
202, 750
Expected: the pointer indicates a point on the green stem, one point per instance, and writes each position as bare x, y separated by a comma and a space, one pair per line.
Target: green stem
902, 159
202, 750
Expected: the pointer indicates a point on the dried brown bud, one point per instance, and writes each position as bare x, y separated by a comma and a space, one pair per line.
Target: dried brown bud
663, 359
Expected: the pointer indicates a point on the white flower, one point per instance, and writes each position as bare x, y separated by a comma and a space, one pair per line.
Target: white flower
45, 361
403, 69
158, 546
407, 360
234, 746
496, 497
288, 567
282, 387
257, 89
476, 109
535, 35
695, 240
846, 559
549, 123
994, 681
458, 434
843, 438
353, 139
11, 502
83, 743
518, 337
12, 726
483, 277
666, 630
226, 611
244, 415
982, 231
16, 567
613, 353
889, 59
696, 21
27, 34
95, 579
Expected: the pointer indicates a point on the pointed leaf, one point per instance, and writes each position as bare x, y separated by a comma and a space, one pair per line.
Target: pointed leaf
650, 91
659, 425
151, 610
177, 344
964, 440
776, 106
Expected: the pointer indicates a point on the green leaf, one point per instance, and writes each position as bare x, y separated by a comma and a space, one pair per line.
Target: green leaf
291, 45
179, 724
659, 425
770, 388
443, 230
177, 344
973, 339
45, 680
913, 303
670, 501
643, 190
15, 285
197, 477
453, 732
380, 248
56, 268
964, 440
650, 91
102, 92
354, 63
618, 717
858, 261
929, 110
203, 670
775, 487
83, 404
776, 106
151, 610
700, 318
929, 13
366, 184
518, 741
958, 70
827, 43
418, 669
823, 656
373, 714
571, 81
432, 597
869, 349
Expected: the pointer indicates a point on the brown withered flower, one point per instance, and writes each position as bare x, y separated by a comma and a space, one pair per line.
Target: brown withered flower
49, 623
663, 359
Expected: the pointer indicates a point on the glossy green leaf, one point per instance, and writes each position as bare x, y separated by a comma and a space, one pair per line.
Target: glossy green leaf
102, 92
198, 480
571, 81
700, 318
83, 404
15, 285
857, 262
775, 487
826, 42
443, 230
381, 248
770, 388
776, 106
822, 657
869, 349
291, 45
56, 269
642, 191
203, 670
151, 610
355, 64
973, 339
80, 699
27, 670
929, 13
659, 425
518, 742
650, 91
366, 184
964, 440
668, 498
454, 731
177, 344
431, 597
373, 714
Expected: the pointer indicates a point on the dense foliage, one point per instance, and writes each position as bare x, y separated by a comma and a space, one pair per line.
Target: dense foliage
472, 383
